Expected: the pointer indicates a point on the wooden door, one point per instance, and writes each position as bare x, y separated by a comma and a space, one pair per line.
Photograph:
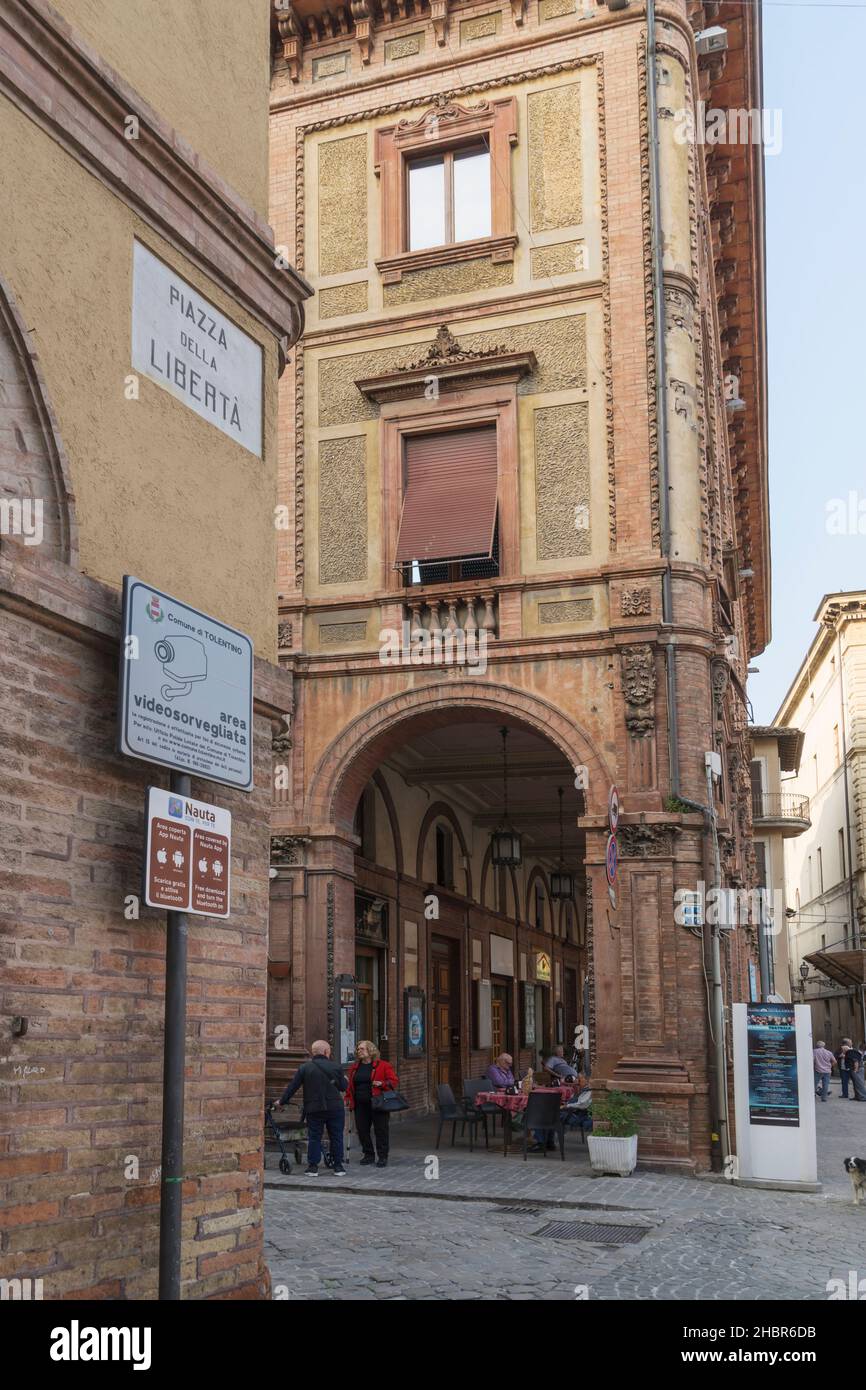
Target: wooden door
445, 1052
501, 1038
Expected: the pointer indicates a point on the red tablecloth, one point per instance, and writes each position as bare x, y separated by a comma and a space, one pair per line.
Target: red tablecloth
516, 1103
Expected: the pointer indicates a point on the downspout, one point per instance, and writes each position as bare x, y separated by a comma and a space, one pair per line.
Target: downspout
717, 1002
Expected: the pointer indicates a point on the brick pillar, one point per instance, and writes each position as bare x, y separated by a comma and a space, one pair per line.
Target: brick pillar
329, 928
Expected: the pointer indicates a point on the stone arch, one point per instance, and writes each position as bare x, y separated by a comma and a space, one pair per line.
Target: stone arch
33, 463
391, 812
351, 758
440, 810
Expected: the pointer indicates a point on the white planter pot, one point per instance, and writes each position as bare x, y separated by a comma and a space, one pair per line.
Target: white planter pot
617, 1156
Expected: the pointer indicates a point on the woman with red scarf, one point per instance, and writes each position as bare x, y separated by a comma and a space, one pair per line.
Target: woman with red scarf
369, 1077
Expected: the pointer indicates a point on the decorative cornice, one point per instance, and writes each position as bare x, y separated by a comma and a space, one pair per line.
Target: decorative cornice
72, 94
498, 249
453, 366
644, 841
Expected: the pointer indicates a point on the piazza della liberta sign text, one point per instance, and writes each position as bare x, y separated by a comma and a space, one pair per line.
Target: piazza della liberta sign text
184, 344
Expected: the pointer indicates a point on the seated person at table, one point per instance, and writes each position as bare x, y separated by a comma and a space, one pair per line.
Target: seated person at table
500, 1073
561, 1070
570, 1114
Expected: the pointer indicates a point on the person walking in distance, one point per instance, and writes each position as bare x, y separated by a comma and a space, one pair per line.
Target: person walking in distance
823, 1062
844, 1073
370, 1077
323, 1082
854, 1062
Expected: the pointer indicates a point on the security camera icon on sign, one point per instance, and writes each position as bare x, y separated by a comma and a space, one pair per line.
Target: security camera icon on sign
184, 661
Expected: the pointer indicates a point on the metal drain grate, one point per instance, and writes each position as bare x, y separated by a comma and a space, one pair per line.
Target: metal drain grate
520, 1211
593, 1232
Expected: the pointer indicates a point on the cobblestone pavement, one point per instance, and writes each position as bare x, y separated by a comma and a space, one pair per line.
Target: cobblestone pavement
398, 1234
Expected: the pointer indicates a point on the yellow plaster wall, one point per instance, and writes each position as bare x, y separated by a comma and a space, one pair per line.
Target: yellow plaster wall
159, 492
204, 65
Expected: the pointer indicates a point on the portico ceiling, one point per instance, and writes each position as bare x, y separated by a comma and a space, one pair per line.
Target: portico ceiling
462, 765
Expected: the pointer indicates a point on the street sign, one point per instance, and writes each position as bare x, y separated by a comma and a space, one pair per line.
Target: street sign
181, 341
186, 688
613, 810
188, 855
611, 859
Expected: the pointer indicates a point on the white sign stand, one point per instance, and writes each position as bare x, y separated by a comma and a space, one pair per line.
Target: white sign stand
776, 1155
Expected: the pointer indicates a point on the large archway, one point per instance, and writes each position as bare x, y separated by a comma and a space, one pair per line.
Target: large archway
491, 976
354, 754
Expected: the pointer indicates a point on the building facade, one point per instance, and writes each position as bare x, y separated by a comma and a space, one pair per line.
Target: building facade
825, 868
121, 173
523, 465
777, 814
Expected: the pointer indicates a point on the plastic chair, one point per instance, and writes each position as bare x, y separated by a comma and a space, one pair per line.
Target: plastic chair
451, 1112
471, 1088
542, 1114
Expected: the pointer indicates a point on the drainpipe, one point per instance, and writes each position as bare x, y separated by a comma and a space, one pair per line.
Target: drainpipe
717, 1016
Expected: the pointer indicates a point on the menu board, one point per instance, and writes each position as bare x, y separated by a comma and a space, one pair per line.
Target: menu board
772, 1052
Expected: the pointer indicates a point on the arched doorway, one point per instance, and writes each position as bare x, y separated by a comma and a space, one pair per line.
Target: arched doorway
400, 809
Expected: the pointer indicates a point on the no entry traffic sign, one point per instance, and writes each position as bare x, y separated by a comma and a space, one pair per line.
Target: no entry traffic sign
188, 857
611, 859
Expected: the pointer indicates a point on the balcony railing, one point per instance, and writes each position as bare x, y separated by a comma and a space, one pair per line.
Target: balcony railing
471, 612
780, 806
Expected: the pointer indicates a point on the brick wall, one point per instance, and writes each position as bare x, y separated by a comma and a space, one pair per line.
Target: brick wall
79, 1186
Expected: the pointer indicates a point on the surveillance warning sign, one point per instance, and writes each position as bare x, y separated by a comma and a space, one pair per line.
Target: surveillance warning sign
186, 688
188, 856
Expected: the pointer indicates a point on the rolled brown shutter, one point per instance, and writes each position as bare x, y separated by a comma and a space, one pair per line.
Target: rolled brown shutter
449, 496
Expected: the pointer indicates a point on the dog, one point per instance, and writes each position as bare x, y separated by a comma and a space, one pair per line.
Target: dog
856, 1170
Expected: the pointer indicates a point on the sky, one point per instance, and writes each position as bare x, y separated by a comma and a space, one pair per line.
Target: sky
815, 74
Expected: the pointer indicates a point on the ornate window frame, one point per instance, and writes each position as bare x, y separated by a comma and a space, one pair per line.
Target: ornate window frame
444, 127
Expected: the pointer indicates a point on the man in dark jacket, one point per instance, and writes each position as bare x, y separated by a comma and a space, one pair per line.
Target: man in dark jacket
323, 1081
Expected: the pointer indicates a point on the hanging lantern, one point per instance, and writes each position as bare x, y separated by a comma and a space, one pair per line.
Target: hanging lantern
505, 848
561, 881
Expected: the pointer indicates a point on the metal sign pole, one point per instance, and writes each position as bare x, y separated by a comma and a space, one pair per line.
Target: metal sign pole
174, 1061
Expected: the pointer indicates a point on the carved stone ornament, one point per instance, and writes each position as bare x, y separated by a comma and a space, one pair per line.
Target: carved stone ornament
281, 738
445, 349
635, 603
646, 841
287, 849
284, 635
638, 688
721, 679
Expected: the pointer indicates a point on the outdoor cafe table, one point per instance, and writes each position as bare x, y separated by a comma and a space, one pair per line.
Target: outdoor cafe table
512, 1105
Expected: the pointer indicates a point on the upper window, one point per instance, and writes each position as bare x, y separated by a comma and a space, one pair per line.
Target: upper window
449, 197
446, 186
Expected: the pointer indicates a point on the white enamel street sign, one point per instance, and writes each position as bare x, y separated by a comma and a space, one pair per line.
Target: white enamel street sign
186, 688
188, 855
184, 344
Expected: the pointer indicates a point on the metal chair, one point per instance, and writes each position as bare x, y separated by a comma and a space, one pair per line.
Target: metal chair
471, 1088
452, 1113
542, 1114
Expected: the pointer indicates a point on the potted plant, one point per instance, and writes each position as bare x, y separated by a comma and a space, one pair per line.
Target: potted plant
613, 1141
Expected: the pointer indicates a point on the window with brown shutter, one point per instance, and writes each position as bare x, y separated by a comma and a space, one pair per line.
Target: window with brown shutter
448, 516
